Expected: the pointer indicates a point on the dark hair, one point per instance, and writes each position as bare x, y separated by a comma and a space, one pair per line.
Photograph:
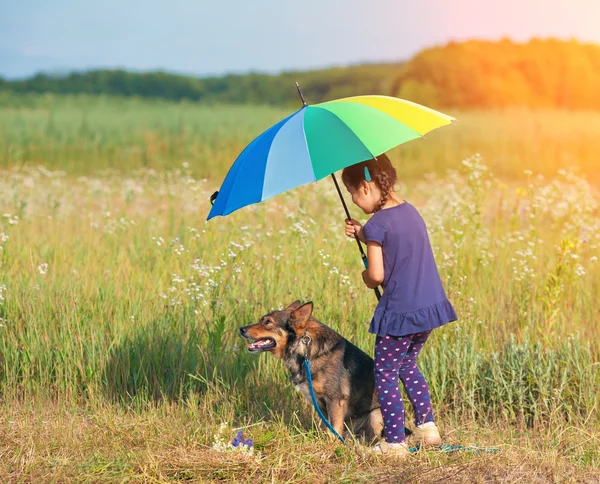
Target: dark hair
383, 174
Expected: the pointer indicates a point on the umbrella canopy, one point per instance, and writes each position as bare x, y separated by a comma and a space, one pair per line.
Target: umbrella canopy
318, 140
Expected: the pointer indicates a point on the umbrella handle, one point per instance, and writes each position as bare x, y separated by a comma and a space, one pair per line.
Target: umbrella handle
360, 247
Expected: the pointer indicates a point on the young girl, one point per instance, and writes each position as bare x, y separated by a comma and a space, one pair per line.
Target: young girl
413, 302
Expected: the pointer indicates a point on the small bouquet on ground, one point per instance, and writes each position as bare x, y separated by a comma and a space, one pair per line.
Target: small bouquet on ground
238, 444
241, 443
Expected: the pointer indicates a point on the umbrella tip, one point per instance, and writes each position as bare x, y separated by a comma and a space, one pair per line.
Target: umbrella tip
300, 92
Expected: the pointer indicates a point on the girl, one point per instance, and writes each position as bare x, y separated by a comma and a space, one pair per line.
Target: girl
413, 302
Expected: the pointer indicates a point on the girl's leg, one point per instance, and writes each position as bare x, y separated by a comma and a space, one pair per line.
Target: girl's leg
414, 381
389, 353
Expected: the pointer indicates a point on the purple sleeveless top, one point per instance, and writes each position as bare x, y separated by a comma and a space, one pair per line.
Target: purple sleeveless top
414, 299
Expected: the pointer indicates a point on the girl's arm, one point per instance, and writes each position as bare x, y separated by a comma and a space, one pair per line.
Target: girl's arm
373, 275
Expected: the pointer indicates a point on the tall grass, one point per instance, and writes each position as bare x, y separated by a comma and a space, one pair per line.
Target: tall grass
119, 306
85, 134
115, 290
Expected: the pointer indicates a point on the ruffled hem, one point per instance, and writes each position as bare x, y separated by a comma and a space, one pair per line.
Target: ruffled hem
402, 324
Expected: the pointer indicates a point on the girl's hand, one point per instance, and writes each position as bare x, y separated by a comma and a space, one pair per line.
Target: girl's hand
354, 227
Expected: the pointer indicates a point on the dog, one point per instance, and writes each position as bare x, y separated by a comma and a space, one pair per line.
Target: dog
342, 374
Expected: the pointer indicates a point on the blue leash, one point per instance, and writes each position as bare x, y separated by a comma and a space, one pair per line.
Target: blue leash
447, 448
314, 400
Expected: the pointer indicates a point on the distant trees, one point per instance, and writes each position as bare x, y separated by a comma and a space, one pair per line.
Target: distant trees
541, 73
248, 88
480, 74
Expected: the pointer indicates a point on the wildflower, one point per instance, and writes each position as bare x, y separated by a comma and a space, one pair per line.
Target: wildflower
177, 279
12, 220
245, 445
297, 227
43, 268
238, 439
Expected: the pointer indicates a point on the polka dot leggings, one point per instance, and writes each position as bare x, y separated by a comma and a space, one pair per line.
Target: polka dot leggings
397, 356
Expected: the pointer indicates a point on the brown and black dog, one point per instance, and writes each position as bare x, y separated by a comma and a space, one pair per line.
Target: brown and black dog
342, 374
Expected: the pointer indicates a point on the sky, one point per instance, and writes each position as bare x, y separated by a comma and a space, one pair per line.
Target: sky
214, 37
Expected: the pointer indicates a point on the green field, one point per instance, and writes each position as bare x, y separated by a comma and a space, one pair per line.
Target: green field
83, 135
119, 305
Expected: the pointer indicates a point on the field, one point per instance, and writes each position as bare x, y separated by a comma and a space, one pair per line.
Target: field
119, 306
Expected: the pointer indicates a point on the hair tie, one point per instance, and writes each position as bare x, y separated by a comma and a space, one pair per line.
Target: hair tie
367, 174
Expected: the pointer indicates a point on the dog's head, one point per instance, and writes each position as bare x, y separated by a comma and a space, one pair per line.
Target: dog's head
274, 330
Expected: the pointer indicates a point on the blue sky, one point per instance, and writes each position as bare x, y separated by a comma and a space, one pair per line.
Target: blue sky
204, 37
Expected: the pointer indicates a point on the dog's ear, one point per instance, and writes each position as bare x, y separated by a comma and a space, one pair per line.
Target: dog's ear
301, 315
295, 305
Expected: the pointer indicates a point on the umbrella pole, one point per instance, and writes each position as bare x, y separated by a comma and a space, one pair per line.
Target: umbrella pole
360, 247
362, 252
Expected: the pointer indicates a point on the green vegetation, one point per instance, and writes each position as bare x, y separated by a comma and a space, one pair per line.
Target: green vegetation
476, 74
237, 89
119, 306
85, 134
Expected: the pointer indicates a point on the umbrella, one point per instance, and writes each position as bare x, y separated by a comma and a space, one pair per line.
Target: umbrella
318, 140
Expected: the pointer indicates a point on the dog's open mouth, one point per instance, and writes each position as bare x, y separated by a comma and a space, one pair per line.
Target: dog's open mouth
262, 344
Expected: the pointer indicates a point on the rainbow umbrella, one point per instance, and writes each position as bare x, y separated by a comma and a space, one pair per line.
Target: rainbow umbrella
318, 140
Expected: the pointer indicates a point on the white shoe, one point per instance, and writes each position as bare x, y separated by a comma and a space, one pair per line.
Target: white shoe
426, 434
398, 451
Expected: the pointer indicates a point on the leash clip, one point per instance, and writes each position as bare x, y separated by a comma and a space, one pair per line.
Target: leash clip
306, 339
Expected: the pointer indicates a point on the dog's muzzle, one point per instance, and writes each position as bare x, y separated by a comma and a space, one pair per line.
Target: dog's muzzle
257, 345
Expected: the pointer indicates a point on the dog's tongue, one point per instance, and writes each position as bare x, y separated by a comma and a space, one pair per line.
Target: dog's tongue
259, 343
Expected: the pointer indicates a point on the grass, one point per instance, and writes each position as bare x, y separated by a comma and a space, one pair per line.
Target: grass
173, 443
119, 309
85, 134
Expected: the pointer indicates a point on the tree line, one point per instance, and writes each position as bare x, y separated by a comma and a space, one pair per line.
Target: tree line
475, 74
